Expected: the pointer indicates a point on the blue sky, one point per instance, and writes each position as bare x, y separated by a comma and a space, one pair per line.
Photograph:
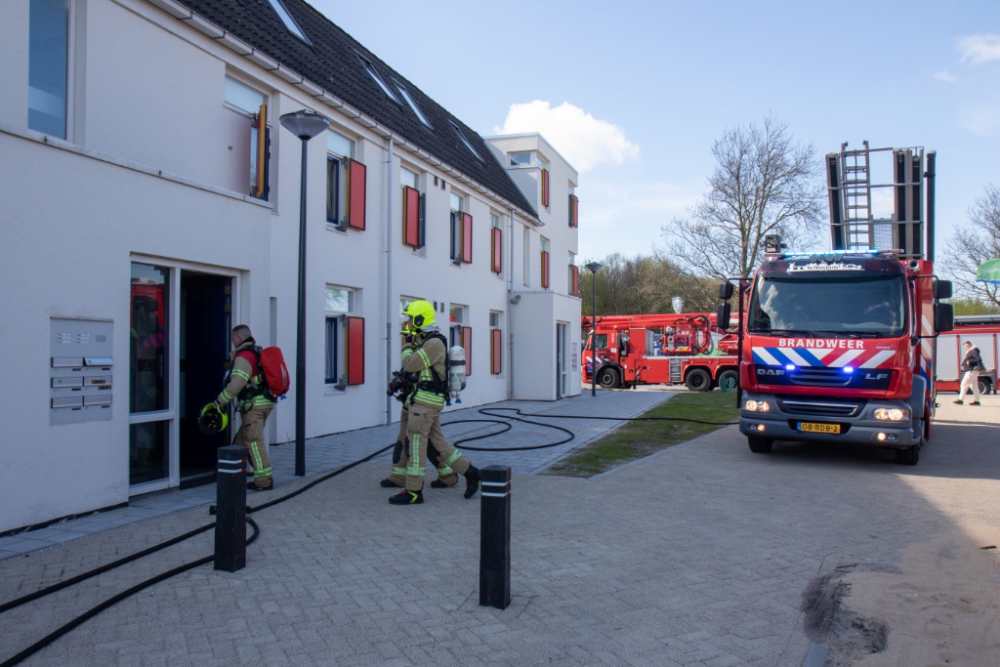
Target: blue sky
638, 91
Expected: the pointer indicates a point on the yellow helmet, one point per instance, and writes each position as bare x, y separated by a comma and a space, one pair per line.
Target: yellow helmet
421, 312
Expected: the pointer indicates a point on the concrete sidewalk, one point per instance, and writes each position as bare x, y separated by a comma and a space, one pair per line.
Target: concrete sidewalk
706, 555
330, 452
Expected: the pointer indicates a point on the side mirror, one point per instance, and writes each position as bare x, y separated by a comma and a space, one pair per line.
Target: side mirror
942, 289
944, 317
725, 291
722, 314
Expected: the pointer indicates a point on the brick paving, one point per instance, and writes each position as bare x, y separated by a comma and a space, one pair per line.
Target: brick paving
330, 452
698, 556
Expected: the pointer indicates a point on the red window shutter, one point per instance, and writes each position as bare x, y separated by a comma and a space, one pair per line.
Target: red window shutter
545, 270
467, 346
260, 160
466, 238
496, 352
356, 179
355, 345
574, 211
411, 217
497, 250
575, 282
545, 188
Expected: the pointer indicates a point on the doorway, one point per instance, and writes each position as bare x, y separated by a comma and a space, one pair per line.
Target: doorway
561, 365
205, 323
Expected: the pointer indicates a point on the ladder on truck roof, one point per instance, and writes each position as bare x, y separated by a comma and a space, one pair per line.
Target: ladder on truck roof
853, 222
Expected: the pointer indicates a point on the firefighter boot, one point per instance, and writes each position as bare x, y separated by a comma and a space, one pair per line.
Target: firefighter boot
471, 481
397, 453
405, 497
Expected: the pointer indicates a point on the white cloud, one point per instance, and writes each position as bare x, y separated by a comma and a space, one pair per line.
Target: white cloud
582, 139
979, 48
945, 75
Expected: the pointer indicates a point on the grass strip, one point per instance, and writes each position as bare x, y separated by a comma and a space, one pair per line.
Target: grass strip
635, 440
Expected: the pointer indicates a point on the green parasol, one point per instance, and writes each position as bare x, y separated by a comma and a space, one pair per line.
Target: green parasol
989, 272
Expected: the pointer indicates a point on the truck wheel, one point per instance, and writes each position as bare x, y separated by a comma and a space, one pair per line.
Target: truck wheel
908, 456
729, 381
698, 379
759, 445
984, 386
607, 378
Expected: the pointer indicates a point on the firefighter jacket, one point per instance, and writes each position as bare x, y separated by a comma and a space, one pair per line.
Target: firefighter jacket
428, 352
245, 381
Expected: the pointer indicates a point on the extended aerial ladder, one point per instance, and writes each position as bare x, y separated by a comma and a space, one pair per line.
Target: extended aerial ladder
853, 224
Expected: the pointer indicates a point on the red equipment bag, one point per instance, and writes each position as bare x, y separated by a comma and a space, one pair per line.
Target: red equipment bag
272, 365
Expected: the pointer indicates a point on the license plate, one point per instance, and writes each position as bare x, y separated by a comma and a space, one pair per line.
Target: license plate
811, 427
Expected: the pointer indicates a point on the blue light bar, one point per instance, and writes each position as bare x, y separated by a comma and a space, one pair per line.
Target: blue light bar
789, 367
848, 369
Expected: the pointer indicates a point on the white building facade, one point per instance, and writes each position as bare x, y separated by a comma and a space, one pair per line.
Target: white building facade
151, 202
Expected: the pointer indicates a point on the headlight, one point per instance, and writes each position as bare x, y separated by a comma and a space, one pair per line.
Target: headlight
756, 406
891, 414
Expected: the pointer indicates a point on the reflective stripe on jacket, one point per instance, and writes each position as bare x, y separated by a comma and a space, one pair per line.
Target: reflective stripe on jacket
243, 373
430, 354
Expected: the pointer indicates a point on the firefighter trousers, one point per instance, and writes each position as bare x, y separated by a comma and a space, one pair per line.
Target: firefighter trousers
422, 440
251, 436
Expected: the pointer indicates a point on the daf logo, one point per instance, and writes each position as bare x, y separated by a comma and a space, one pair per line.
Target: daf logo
876, 376
770, 371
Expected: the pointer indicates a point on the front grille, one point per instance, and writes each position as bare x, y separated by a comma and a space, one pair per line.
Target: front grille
812, 376
826, 407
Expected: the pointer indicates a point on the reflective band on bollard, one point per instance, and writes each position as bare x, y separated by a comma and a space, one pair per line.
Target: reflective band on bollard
231, 509
494, 540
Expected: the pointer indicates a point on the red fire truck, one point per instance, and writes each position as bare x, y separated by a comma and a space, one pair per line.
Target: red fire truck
660, 349
840, 346
983, 331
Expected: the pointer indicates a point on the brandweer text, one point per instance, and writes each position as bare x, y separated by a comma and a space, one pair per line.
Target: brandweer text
829, 343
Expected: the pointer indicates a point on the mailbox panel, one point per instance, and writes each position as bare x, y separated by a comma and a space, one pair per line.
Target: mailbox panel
80, 368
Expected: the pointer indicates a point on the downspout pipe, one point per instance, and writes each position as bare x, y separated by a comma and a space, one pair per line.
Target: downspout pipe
389, 309
510, 313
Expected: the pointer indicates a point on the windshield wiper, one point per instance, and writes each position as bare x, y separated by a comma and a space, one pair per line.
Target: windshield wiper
784, 332
856, 334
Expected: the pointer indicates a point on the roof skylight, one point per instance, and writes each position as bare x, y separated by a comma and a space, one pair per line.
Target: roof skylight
374, 75
413, 105
286, 18
466, 142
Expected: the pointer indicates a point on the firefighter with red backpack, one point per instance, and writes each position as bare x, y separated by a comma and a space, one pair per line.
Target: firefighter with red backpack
248, 385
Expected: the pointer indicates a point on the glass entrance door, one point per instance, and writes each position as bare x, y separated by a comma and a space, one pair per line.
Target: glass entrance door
149, 427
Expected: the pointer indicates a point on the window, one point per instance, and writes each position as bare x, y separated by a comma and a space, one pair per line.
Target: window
286, 18
413, 209
466, 141
461, 232
496, 343
250, 104
526, 256
413, 105
149, 373
496, 245
345, 339
374, 75
520, 159
544, 245
345, 196
48, 55
460, 333
574, 276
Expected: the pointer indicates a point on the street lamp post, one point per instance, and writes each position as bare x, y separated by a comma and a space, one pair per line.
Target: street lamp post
305, 125
593, 267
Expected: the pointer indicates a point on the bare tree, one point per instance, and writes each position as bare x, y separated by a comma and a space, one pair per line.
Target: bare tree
765, 183
974, 244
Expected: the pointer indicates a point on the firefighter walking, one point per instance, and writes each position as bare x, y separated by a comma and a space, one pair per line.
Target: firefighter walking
246, 386
426, 357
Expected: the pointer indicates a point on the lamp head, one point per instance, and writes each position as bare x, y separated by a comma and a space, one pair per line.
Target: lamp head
594, 267
304, 124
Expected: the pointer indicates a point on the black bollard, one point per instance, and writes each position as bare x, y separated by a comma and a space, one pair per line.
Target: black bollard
231, 509
494, 538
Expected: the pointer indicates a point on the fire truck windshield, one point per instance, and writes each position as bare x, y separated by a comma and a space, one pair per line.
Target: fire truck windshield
861, 306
